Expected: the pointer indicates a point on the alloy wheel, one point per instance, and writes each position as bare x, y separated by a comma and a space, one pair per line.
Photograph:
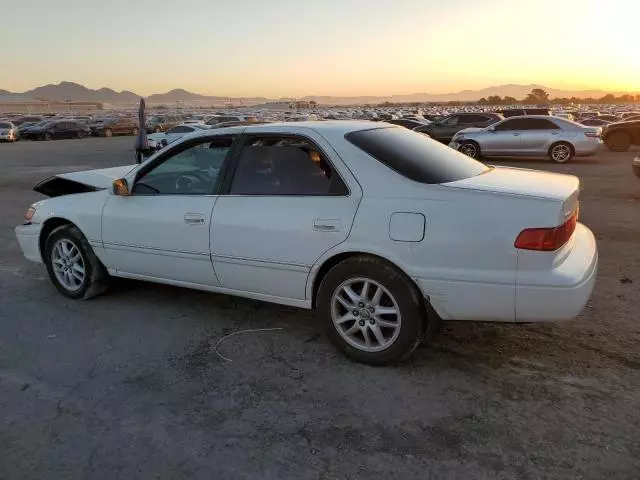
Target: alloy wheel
561, 153
68, 264
469, 149
365, 314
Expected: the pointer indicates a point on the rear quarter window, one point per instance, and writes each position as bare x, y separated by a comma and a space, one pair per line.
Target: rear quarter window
415, 156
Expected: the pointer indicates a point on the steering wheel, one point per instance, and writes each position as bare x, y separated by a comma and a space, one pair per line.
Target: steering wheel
187, 181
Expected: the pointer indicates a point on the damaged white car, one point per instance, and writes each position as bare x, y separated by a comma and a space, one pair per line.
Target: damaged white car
382, 230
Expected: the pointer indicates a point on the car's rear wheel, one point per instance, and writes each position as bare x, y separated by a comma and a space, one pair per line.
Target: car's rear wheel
371, 311
108, 132
73, 267
618, 142
470, 148
48, 136
561, 152
81, 134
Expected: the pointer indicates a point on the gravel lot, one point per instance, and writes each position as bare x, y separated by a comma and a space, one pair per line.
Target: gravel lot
129, 386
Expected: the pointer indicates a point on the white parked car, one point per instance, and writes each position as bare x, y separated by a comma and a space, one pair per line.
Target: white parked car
8, 132
382, 230
175, 133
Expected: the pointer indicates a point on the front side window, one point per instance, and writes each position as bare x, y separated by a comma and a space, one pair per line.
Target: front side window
192, 170
284, 166
452, 121
510, 125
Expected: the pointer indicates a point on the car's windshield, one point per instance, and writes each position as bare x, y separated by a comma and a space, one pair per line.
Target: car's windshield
6, 125
416, 156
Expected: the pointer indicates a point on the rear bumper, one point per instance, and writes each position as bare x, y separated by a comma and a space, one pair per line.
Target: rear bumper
562, 292
28, 237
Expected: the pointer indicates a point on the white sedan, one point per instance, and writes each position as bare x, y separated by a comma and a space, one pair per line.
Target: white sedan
8, 132
175, 133
382, 230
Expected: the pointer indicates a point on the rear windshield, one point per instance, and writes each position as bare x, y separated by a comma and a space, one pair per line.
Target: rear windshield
416, 156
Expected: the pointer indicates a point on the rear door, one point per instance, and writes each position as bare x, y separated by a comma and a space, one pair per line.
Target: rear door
537, 135
504, 139
288, 201
445, 130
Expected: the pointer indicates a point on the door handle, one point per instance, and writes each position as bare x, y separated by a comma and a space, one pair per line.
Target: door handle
326, 225
194, 218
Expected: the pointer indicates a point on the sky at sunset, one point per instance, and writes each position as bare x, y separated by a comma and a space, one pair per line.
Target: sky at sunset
279, 48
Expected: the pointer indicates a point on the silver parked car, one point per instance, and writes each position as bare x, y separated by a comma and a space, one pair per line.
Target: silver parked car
530, 136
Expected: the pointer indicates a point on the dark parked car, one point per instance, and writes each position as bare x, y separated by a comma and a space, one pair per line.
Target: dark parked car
443, 130
57, 129
618, 137
518, 112
162, 123
409, 123
28, 118
109, 127
594, 122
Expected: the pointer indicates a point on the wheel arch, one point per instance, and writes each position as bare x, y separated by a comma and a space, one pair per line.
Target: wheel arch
433, 320
49, 226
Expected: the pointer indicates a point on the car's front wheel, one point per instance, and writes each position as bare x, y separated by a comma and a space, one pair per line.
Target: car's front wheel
73, 267
371, 311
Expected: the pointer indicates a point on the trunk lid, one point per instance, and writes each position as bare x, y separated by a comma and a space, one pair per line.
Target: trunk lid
562, 190
520, 181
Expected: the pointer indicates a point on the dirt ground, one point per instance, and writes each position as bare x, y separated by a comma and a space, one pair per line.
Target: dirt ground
129, 385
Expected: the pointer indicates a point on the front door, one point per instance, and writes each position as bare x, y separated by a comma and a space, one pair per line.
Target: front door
286, 205
503, 139
162, 229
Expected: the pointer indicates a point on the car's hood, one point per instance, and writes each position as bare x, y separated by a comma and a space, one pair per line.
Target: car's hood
101, 178
81, 182
520, 181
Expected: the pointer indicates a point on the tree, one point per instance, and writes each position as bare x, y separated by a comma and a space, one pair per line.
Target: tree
537, 96
509, 101
482, 101
494, 100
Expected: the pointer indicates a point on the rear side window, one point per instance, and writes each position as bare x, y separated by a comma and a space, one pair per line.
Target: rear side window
415, 156
284, 166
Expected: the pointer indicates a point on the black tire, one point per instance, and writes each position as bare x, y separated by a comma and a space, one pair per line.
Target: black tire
618, 141
561, 152
108, 132
80, 134
96, 277
407, 297
48, 136
470, 149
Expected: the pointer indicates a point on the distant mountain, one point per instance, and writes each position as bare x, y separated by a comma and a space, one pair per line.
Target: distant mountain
517, 91
69, 91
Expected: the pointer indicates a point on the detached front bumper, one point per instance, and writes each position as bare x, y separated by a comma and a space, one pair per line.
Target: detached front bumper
29, 238
562, 292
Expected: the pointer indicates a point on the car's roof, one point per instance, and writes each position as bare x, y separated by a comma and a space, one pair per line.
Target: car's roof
340, 127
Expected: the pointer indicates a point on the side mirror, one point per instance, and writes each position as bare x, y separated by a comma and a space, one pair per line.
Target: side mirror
119, 187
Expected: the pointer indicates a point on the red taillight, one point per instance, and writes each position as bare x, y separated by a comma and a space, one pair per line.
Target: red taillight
547, 239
